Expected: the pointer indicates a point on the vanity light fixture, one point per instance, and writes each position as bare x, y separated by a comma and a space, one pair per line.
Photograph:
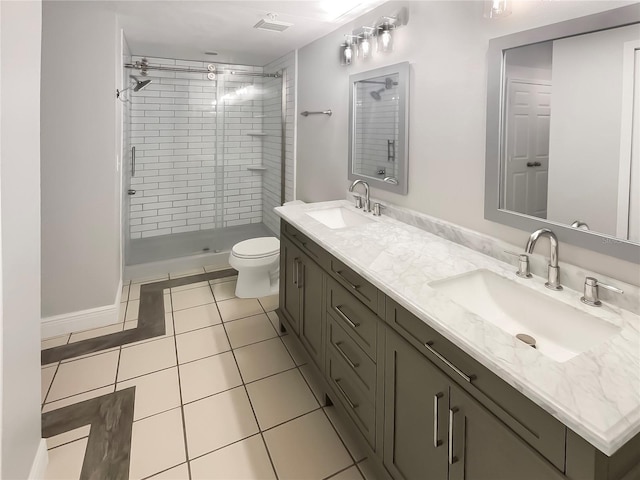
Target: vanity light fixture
497, 8
365, 42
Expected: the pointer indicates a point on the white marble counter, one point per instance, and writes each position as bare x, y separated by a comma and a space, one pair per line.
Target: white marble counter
596, 393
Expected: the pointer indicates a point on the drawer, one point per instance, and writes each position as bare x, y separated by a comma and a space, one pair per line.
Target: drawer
315, 252
360, 364
356, 319
345, 385
528, 420
357, 285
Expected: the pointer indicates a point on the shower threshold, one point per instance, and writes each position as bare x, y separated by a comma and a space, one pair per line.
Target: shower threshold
168, 247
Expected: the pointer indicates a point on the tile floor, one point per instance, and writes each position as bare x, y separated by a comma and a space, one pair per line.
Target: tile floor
220, 396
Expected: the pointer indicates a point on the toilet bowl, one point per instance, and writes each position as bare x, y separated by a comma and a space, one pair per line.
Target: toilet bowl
257, 261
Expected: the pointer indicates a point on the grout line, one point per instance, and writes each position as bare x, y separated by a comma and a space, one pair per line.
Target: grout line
66, 443
340, 471
166, 470
246, 392
291, 419
184, 421
44, 400
76, 394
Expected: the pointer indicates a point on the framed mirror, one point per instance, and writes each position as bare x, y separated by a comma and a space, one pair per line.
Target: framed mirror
378, 127
562, 151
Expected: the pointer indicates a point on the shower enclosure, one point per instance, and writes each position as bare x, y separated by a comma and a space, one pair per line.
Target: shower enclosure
203, 158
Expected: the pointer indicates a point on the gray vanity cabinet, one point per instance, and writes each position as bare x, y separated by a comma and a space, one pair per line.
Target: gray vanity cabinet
416, 399
434, 429
302, 297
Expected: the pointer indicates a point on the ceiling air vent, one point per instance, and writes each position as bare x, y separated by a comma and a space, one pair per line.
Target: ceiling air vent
271, 24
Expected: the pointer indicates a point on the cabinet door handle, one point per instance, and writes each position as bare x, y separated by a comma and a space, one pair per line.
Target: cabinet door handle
301, 274
339, 273
448, 363
345, 356
346, 397
296, 271
345, 318
436, 442
452, 414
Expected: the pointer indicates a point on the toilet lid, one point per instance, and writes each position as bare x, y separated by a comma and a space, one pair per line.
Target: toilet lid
257, 247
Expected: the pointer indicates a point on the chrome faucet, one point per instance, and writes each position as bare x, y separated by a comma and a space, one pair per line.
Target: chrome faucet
367, 203
553, 273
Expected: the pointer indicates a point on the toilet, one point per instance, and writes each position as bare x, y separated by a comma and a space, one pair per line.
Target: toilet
257, 261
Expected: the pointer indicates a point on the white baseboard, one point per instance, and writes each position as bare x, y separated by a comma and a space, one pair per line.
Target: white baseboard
82, 320
40, 462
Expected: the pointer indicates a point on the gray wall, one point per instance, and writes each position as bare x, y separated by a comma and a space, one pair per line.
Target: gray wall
20, 238
80, 153
446, 44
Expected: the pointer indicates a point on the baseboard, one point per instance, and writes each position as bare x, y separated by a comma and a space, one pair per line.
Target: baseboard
40, 462
83, 319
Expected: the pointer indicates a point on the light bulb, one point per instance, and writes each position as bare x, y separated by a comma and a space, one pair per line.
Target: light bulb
365, 47
348, 54
385, 41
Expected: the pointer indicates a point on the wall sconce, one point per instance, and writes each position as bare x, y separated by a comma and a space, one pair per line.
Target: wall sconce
385, 37
497, 8
346, 54
366, 39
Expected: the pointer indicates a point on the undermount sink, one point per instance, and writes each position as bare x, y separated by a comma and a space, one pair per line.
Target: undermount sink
560, 331
338, 217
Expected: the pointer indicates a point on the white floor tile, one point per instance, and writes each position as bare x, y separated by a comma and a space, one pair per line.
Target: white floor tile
157, 443
191, 298
65, 462
82, 375
155, 392
92, 354
243, 460
54, 342
134, 291
235, 308
312, 380
146, 358
46, 377
96, 332
217, 421
223, 290
186, 273
298, 454
275, 321
249, 330
207, 376
298, 353
67, 437
133, 308
269, 303
262, 359
122, 309
202, 343
125, 293
280, 397
351, 473
98, 392
167, 303
189, 286
181, 472
347, 434
196, 317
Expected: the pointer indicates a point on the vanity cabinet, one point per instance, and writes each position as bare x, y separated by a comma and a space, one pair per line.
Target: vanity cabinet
301, 296
424, 408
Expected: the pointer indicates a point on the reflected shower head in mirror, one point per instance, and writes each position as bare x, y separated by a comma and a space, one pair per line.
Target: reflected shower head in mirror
388, 83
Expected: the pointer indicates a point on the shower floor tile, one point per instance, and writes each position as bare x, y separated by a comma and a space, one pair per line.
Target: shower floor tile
210, 398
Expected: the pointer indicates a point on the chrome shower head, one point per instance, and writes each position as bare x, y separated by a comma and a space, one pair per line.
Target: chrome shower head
140, 84
376, 94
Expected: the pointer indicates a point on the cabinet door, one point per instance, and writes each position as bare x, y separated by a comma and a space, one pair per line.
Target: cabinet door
483, 448
415, 424
290, 282
311, 327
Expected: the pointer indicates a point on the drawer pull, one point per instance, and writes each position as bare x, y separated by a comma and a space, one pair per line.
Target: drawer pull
452, 413
345, 356
345, 318
346, 397
448, 363
339, 272
436, 397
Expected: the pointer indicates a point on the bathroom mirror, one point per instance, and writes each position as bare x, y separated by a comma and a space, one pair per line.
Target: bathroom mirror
379, 133
561, 148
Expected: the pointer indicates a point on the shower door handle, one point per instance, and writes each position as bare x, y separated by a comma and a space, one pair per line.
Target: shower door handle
131, 191
133, 161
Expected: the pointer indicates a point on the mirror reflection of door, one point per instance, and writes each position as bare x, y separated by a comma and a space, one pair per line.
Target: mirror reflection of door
526, 169
634, 181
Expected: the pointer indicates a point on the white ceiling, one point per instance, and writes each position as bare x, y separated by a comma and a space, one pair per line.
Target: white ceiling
186, 29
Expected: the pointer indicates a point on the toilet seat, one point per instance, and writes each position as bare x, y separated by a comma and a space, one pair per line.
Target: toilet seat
260, 247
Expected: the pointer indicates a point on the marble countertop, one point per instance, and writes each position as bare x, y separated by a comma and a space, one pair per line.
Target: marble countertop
596, 393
